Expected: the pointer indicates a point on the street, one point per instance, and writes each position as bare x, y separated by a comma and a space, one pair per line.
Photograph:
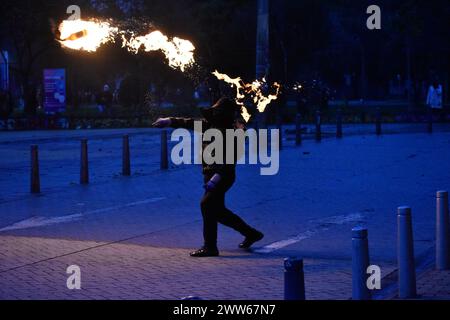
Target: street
131, 235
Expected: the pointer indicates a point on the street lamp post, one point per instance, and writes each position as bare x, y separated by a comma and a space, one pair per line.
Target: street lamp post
262, 46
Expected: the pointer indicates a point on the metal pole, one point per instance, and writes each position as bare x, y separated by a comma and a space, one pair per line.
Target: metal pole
339, 124
442, 232
294, 279
378, 122
84, 168
126, 166
405, 247
430, 120
164, 151
35, 179
298, 129
262, 48
360, 264
318, 126
280, 128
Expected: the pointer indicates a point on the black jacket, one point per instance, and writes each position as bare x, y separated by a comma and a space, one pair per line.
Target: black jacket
225, 170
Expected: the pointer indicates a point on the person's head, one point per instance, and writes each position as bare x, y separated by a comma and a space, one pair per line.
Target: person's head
435, 83
222, 114
106, 88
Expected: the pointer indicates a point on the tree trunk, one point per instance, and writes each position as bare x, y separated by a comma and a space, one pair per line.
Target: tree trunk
29, 97
363, 91
409, 86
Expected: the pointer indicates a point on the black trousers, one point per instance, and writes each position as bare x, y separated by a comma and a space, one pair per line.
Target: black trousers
214, 211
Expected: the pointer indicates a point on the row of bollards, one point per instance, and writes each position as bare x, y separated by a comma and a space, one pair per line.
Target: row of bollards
35, 185
405, 251
339, 129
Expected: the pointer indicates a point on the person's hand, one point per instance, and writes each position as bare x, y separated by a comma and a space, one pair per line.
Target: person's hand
239, 125
162, 123
211, 185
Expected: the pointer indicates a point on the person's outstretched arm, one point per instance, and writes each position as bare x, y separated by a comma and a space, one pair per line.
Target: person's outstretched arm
176, 123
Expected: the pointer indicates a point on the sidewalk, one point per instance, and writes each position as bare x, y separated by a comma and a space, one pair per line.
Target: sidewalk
434, 285
121, 271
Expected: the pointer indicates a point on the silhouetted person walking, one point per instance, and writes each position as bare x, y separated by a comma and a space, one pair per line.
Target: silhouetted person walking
218, 179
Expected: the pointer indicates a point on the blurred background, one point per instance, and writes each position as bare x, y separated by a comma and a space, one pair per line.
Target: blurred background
323, 45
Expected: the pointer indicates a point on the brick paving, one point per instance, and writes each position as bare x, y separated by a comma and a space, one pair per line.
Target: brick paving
434, 285
35, 268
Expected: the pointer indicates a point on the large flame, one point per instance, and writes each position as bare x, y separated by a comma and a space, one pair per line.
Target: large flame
90, 35
86, 35
179, 52
253, 90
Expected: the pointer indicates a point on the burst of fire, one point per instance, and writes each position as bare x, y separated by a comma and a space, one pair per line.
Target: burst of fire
86, 35
179, 52
90, 35
253, 90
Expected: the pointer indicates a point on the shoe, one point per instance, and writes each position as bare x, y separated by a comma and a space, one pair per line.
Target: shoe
204, 253
251, 240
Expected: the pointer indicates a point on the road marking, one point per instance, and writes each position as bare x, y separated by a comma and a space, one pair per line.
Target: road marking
322, 225
37, 222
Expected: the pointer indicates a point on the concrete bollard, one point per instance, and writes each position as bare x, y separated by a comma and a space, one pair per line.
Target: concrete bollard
126, 165
442, 232
294, 279
164, 151
378, 122
360, 263
318, 126
405, 257
339, 124
84, 168
35, 186
298, 130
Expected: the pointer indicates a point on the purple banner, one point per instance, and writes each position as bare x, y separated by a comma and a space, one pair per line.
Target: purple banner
54, 90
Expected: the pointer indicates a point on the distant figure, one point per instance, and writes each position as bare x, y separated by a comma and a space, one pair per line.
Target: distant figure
105, 99
434, 99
